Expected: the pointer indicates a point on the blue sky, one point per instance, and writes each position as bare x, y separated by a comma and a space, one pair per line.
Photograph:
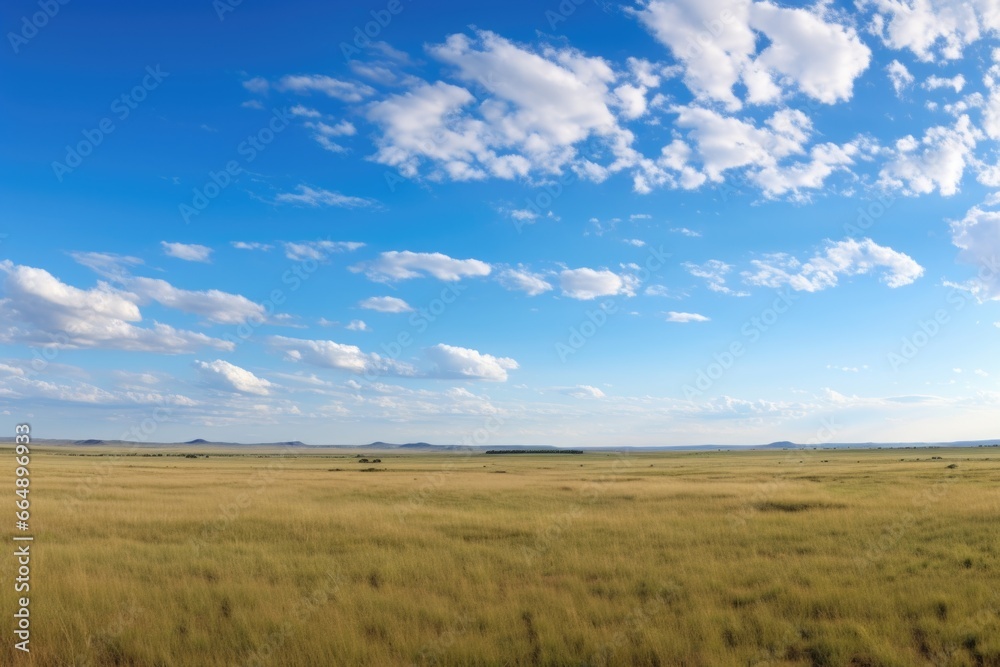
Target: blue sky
580, 223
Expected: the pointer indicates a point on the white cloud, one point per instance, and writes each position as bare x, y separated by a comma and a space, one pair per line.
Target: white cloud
329, 354
663, 290
386, 304
848, 258
714, 273
225, 376
357, 325
304, 112
638, 243
956, 83
40, 309
253, 245
346, 91
977, 236
586, 284
981, 373
822, 57
187, 252
583, 391
684, 231
523, 280
537, 108
258, 85
936, 162
524, 215
824, 160
213, 305
307, 196
318, 250
934, 29
685, 318
715, 41
323, 133
899, 76
21, 387
106, 265
403, 265
721, 143
468, 364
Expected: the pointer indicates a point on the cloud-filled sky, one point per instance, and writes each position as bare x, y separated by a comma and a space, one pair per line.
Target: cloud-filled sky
575, 223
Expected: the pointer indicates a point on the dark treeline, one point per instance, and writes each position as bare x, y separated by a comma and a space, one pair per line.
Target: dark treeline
534, 451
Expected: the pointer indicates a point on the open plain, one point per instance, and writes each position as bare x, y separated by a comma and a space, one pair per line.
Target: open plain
300, 557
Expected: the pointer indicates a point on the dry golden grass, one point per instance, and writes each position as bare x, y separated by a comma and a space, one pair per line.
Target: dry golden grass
750, 558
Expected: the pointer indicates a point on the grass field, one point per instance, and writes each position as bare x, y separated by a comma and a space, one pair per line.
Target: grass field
882, 557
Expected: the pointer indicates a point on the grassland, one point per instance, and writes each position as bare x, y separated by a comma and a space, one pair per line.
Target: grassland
882, 557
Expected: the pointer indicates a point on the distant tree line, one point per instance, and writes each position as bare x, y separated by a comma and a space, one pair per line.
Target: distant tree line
534, 451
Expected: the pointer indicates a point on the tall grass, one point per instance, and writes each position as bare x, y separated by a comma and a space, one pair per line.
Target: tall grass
750, 558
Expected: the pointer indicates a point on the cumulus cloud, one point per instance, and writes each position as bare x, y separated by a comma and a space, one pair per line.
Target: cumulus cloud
716, 43
404, 265
977, 236
39, 309
717, 143
844, 258
523, 280
586, 284
467, 364
329, 354
539, 106
213, 305
956, 83
223, 375
386, 304
357, 325
685, 318
307, 196
935, 162
187, 252
934, 30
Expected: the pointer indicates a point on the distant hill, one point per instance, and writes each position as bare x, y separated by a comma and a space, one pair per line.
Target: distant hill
428, 447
